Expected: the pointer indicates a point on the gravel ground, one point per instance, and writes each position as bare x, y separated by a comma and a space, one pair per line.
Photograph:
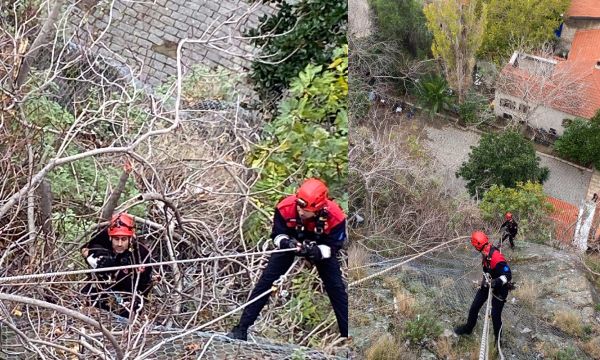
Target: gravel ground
450, 147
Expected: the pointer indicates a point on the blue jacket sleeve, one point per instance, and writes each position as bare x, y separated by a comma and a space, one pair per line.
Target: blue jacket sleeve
336, 236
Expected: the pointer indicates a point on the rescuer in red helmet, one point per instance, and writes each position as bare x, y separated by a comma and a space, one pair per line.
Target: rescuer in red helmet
500, 278
116, 246
511, 229
316, 227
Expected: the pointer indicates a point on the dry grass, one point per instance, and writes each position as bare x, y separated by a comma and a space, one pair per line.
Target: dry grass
357, 257
528, 293
391, 283
568, 321
405, 303
385, 348
465, 349
592, 347
444, 349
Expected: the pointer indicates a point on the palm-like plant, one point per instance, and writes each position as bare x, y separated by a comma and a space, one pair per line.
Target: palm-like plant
434, 94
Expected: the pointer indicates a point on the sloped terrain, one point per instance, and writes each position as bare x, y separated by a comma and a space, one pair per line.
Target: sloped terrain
551, 315
199, 344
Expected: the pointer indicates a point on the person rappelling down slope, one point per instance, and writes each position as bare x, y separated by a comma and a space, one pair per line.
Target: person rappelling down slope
315, 226
499, 275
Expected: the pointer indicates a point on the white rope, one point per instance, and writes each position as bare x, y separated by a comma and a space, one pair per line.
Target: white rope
406, 261
499, 348
484, 346
276, 284
114, 268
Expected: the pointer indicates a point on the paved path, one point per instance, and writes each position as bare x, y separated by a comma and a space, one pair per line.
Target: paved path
451, 146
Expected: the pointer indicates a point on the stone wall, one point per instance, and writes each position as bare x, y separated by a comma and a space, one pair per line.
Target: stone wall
145, 34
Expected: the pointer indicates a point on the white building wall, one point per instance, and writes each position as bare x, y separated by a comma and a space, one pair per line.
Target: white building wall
541, 117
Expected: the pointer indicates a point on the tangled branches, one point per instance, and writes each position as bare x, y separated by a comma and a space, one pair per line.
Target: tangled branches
70, 119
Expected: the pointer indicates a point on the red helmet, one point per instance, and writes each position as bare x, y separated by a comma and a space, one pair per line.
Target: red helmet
312, 195
479, 239
508, 216
121, 224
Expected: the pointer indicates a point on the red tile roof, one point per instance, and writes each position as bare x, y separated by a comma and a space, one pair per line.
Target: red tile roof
584, 8
573, 87
565, 218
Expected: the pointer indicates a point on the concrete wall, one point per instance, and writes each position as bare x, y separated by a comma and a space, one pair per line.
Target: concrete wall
572, 25
145, 34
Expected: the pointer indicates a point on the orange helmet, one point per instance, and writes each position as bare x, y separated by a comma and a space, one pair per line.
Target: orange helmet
312, 195
479, 239
508, 216
121, 224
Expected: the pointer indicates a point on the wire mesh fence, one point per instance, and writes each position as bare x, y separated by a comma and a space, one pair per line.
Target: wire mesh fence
447, 283
54, 336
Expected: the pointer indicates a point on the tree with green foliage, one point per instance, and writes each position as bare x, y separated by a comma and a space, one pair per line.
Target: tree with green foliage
501, 159
403, 21
516, 24
527, 201
581, 141
308, 138
475, 109
433, 94
457, 28
299, 33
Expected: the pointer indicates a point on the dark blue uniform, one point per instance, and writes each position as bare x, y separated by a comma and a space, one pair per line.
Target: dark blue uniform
286, 221
494, 264
512, 229
122, 283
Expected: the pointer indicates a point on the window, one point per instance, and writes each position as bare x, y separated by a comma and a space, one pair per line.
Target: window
507, 116
508, 103
523, 108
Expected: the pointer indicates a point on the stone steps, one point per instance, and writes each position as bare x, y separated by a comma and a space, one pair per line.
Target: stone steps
594, 186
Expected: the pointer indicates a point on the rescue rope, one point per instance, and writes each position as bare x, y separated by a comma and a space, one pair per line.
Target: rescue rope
405, 262
277, 284
484, 346
499, 348
114, 268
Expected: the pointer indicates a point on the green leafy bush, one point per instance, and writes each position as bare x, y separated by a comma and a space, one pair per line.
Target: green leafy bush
501, 159
309, 31
422, 327
434, 94
405, 22
475, 109
527, 201
581, 142
514, 23
308, 138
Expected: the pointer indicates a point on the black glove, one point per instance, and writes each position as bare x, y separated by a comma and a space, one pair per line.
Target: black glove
312, 252
289, 243
107, 261
496, 283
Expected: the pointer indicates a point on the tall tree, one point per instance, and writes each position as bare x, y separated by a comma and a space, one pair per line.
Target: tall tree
518, 23
404, 22
457, 27
504, 159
